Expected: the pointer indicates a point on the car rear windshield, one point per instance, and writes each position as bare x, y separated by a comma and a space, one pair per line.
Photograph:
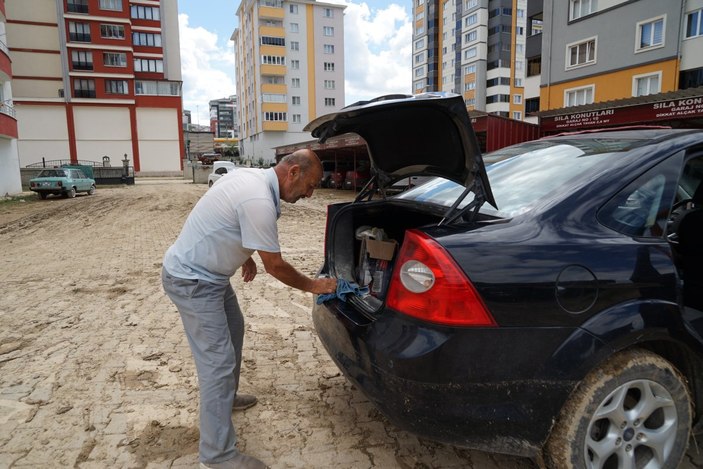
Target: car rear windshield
52, 173
522, 174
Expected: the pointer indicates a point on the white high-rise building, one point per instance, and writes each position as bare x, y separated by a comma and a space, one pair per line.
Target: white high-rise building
289, 59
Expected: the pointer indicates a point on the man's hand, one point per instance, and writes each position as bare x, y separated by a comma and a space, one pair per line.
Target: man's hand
324, 285
249, 270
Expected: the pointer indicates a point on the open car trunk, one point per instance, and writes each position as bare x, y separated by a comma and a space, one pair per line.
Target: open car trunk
353, 258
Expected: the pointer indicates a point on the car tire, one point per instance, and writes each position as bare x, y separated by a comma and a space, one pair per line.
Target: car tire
71, 193
42, 195
91, 191
632, 403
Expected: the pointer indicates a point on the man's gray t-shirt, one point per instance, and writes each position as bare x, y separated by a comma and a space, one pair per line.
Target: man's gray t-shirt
234, 218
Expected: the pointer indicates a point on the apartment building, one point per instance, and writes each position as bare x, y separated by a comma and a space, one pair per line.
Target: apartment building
475, 48
96, 78
289, 66
9, 160
618, 62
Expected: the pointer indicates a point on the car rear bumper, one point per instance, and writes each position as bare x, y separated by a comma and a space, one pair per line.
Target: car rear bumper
468, 387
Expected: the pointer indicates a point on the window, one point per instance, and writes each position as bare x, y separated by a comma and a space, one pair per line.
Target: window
83, 88
328, 49
579, 8
273, 60
116, 87
294, 28
470, 69
420, 44
470, 36
157, 88
148, 65
295, 64
650, 34
469, 20
578, 96
647, 84
498, 98
534, 66
470, 102
329, 66
77, 6
275, 116
518, 83
115, 5
517, 99
146, 39
295, 83
273, 41
296, 100
470, 53
580, 54
329, 84
296, 118
531, 105
328, 30
642, 208
470, 4
420, 30
82, 60
329, 102
328, 13
471, 85
145, 13
294, 45
419, 71
114, 59
273, 98
112, 31
694, 23
517, 115
293, 9
79, 32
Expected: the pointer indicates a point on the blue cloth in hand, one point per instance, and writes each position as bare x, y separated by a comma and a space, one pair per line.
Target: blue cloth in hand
344, 288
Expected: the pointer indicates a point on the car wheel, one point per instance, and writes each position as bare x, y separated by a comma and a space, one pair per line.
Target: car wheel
91, 191
71, 193
633, 411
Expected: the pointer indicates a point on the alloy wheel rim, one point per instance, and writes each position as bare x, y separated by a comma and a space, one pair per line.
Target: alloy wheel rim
634, 427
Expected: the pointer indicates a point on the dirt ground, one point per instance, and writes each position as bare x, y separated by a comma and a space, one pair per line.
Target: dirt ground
95, 370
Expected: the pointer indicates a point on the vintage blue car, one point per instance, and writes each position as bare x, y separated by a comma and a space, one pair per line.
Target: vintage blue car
61, 181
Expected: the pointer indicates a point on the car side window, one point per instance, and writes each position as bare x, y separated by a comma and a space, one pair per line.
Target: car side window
642, 208
221, 171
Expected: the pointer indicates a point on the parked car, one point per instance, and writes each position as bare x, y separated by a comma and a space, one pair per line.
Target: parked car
548, 305
219, 169
357, 178
61, 181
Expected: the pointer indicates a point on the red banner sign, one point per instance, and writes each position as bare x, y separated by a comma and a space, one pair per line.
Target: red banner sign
674, 109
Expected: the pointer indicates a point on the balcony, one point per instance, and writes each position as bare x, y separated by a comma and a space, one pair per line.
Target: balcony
83, 93
5, 63
8, 121
274, 70
271, 12
83, 66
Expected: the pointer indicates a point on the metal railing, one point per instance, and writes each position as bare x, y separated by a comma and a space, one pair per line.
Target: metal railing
8, 109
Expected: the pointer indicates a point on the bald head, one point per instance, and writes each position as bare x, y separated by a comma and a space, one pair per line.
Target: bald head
306, 159
298, 174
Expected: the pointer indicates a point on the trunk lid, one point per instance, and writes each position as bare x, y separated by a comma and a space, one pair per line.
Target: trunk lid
428, 134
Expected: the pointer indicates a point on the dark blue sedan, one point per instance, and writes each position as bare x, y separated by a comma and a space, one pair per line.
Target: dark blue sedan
545, 300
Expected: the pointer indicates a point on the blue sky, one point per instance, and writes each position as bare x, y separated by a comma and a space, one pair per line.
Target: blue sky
378, 47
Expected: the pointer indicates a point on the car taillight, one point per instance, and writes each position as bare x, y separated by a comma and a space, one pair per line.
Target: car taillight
428, 284
31, 184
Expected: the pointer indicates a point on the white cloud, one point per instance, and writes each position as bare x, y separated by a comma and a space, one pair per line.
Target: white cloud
207, 67
377, 49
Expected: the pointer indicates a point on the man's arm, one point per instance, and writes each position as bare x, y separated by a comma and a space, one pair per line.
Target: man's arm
275, 265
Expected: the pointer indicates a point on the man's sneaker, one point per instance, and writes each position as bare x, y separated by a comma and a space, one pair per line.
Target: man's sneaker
243, 401
240, 461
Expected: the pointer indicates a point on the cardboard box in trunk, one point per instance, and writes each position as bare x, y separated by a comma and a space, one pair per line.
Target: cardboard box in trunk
381, 249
